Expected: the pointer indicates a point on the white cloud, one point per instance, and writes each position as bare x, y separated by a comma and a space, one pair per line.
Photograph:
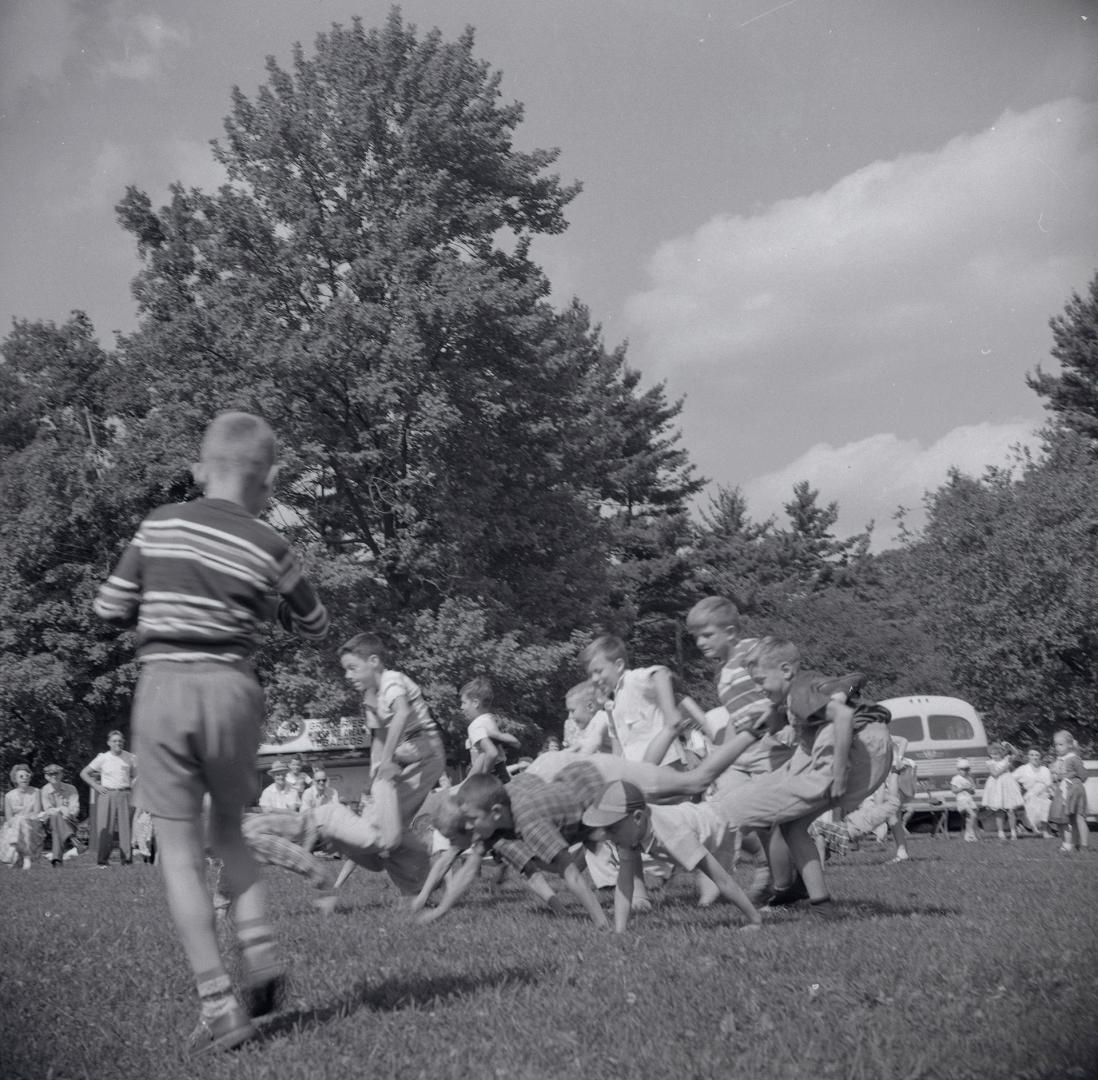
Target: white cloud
892, 249
872, 477
48, 43
143, 44
912, 296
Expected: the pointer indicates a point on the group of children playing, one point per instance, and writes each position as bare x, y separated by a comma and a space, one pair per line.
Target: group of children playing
647, 784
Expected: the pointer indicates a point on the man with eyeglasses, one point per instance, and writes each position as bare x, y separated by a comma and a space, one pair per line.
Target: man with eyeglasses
319, 793
60, 809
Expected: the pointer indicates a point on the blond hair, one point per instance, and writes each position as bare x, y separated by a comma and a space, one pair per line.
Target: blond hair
238, 444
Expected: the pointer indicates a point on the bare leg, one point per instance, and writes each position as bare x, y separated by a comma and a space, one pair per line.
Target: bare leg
802, 848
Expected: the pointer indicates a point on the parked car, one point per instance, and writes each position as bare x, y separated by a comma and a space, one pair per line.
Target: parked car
939, 730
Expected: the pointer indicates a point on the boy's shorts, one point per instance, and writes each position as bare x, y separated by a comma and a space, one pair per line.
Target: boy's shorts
802, 787
196, 729
688, 831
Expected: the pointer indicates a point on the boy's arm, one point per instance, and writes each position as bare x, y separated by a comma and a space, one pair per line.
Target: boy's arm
299, 608
842, 716
629, 871
456, 887
485, 756
492, 729
579, 888
119, 597
438, 870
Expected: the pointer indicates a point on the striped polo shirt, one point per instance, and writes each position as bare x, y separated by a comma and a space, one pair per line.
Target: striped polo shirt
200, 579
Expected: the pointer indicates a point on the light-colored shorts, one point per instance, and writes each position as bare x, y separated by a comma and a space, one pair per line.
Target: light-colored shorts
688, 831
196, 729
802, 787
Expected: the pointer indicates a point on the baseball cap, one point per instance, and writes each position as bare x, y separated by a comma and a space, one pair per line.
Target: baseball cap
617, 799
277, 767
50, 770
964, 763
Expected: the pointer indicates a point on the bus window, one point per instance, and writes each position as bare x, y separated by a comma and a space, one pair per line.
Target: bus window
956, 728
907, 727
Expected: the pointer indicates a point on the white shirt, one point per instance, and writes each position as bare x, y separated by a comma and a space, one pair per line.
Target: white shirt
316, 796
636, 716
273, 799
392, 686
115, 770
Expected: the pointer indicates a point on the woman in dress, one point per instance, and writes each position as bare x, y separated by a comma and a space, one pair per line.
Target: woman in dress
22, 815
1035, 780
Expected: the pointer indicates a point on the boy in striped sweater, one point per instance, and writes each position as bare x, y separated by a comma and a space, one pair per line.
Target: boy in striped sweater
198, 580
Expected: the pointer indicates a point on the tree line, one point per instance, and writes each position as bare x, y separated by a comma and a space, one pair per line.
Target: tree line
467, 468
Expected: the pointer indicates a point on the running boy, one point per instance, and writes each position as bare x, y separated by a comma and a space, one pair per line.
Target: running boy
405, 734
198, 580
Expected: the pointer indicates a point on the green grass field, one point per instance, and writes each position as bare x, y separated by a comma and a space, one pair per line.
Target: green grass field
971, 961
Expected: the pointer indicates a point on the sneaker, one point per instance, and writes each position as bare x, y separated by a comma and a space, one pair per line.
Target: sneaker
263, 993
26, 862
72, 853
222, 1032
783, 897
902, 856
825, 909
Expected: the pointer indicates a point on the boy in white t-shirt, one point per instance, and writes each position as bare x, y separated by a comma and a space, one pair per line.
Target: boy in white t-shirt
484, 735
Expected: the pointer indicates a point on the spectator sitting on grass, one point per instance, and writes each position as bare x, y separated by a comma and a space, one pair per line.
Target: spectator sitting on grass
22, 813
60, 809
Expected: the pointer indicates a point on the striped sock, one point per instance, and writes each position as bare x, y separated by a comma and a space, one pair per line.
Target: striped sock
258, 947
215, 993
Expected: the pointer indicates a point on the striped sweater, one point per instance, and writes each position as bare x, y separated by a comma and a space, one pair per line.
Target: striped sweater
200, 578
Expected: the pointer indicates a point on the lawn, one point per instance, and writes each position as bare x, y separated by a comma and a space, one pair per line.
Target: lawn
971, 961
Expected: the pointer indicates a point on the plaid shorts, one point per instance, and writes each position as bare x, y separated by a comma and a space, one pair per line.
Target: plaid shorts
836, 838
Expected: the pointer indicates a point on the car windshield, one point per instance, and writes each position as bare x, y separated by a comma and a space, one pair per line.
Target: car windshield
908, 727
954, 728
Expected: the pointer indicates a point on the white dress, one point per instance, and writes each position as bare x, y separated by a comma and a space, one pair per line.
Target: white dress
1001, 792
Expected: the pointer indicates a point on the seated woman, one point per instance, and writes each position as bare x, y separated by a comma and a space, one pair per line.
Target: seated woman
22, 813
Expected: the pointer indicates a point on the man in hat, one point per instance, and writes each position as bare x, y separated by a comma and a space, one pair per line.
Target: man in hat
60, 809
278, 795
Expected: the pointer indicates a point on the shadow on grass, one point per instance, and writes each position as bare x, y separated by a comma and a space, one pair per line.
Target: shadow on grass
400, 993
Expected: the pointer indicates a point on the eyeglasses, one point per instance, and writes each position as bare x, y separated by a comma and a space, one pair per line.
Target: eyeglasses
321, 780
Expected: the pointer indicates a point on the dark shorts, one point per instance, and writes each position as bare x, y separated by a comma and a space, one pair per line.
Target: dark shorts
196, 729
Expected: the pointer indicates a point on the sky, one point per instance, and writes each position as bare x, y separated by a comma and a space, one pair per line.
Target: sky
836, 229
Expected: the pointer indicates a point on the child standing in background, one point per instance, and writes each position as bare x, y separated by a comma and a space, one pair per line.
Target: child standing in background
1002, 795
587, 729
484, 737
1069, 793
964, 793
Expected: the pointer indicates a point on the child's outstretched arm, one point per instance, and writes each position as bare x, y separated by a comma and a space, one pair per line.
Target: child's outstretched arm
629, 871
579, 888
457, 885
